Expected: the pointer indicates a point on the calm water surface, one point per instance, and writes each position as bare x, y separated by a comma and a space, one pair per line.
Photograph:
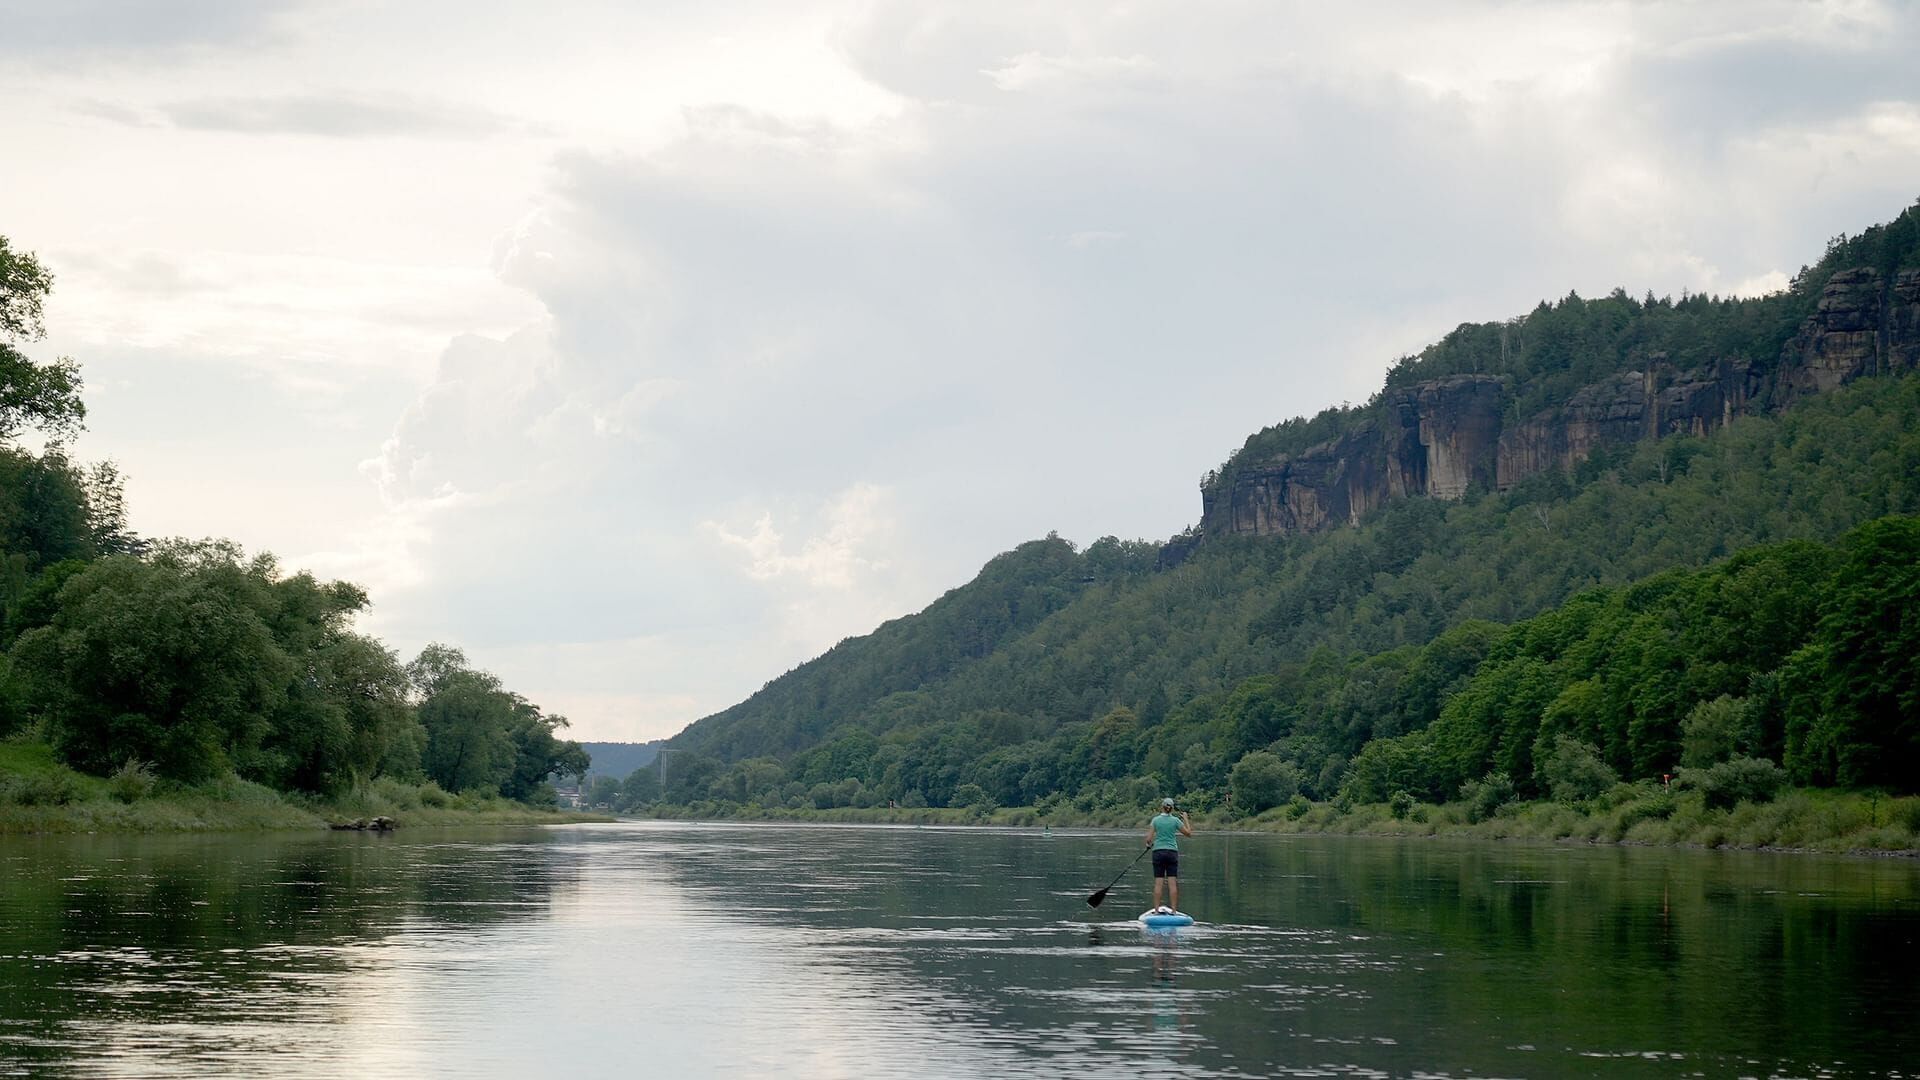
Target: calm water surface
667, 949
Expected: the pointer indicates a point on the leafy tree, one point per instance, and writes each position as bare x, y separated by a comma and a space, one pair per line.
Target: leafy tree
154, 662
44, 514
1575, 772
43, 396
1858, 715
539, 755
1715, 731
1261, 780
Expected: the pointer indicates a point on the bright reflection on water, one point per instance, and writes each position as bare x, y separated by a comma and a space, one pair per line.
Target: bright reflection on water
666, 949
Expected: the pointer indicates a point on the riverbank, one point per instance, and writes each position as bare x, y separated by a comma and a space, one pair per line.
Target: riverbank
1808, 819
39, 795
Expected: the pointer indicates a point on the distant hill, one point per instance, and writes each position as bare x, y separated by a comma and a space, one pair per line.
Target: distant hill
619, 759
1375, 554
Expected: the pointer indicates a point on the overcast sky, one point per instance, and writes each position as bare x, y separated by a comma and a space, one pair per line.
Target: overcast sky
646, 350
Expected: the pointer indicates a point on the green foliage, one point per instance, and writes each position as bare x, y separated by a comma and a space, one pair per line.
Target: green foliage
44, 396
1717, 730
1261, 781
971, 795
1856, 686
158, 661
1385, 766
1574, 771
199, 661
482, 738
132, 781
1484, 797
1740, 780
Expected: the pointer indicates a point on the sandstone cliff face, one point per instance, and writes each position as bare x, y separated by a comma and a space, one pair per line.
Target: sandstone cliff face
1626, 408
1442, 437
1866, 324
1438, 439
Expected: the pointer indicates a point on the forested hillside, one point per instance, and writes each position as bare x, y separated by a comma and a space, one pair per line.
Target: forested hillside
1093, 674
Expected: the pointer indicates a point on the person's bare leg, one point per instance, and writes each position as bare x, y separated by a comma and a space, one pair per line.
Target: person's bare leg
1173, 887
1159, 886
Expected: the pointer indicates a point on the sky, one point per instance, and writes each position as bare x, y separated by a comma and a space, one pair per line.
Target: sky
645, 351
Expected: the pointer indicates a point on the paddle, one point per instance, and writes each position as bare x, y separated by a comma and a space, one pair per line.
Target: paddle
1096, 898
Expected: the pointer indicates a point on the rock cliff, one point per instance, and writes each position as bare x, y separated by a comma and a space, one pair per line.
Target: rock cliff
1442, 437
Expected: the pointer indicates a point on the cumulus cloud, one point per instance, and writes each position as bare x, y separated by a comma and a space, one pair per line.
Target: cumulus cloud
832, 558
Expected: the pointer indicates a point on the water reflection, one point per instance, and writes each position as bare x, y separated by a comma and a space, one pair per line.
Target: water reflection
696, 950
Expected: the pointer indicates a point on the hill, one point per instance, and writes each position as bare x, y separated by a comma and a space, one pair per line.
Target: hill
1064, 671
617, 759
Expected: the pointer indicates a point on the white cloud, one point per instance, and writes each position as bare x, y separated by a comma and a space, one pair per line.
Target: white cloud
830, 559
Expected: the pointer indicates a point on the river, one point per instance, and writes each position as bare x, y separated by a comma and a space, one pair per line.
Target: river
696, 950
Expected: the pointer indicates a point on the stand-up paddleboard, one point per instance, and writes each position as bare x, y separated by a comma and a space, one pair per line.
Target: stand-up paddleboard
1162, 919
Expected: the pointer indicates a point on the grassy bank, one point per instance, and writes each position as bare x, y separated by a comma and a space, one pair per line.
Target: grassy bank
1808, 819
40, 795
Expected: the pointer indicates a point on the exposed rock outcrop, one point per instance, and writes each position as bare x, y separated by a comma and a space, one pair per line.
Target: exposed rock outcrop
1866, 324
1443, 437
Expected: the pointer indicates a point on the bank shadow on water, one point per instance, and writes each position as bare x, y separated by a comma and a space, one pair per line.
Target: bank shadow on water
104, 932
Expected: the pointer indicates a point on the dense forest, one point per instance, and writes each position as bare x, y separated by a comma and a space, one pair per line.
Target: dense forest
1739, 602
182, 663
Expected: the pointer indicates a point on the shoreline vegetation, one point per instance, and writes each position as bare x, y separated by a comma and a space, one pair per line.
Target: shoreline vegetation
1800, 820
38, 795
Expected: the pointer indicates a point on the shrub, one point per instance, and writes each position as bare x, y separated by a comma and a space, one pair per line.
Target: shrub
971, 795
1298, 806
132, 781
40, 789
1653, 806
1574, 771
1484, 797
1401, 805
1261, 781
1383, 766
1755, 780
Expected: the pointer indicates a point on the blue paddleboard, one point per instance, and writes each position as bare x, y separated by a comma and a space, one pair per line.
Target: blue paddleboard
1162, 919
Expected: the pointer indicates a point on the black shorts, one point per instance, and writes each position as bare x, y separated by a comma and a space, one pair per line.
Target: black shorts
1166, 863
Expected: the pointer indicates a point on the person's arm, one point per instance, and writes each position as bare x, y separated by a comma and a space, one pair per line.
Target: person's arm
1149, 835
1186, 824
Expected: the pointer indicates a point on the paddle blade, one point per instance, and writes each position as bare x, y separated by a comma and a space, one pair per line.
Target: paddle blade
1096, 898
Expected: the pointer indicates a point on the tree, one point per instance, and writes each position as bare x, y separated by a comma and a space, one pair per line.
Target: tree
1859, 721
43, 396
1574, 771
468, 721
1261, 781
155, 663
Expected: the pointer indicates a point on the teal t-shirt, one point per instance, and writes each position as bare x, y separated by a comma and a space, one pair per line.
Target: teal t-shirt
1166, 832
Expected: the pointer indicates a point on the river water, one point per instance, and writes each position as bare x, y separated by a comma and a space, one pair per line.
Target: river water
694, 950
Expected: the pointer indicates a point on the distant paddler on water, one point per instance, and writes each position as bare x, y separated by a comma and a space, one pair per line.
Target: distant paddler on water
1163, 839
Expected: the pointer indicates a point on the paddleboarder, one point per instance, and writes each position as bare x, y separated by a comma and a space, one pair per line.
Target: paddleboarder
1163, 837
